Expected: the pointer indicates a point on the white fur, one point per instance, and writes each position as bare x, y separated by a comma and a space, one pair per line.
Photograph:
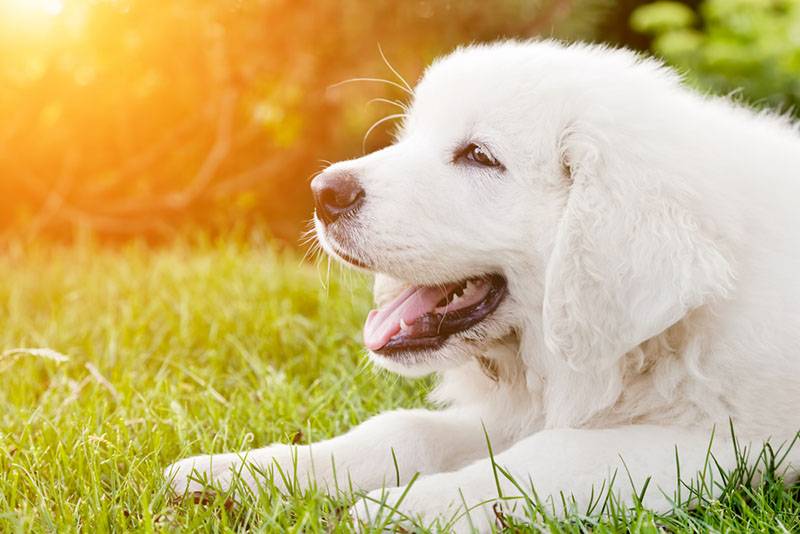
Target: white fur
650, 237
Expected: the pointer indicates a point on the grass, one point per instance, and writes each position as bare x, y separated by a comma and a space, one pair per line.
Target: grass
209, 347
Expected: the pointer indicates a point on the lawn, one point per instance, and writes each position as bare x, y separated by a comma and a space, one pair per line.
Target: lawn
207, 346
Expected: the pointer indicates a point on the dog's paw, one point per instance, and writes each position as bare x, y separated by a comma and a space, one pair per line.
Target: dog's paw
231, 471
205, 472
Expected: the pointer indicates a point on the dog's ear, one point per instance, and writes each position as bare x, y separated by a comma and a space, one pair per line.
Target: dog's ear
630, 257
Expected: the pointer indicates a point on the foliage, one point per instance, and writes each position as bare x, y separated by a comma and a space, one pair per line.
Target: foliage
131, 116
728, 45
206, 347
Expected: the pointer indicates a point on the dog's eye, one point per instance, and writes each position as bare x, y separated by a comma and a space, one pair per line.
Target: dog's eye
478, 154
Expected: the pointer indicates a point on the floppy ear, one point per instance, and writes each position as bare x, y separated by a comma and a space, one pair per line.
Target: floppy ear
630, 258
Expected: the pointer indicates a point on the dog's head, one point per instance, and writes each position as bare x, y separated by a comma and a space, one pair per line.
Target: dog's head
519, 196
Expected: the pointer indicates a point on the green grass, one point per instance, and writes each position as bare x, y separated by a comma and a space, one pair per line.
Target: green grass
208, 347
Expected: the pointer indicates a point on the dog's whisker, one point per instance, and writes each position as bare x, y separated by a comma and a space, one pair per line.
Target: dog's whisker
308, 236
395, 103
375, 80
376, 124
394, 71
328, 277
311, 251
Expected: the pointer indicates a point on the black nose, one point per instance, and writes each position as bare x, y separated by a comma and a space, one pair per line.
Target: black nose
335, 194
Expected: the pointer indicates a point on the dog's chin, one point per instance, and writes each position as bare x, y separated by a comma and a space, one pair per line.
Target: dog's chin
415, 364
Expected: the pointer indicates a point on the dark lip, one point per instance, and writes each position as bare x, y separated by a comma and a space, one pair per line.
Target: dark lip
430, 331
355, 262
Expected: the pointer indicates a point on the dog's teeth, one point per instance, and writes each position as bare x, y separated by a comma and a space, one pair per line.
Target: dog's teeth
471, 287
403, 325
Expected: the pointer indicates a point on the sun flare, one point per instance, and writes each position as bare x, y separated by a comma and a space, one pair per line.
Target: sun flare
30, 11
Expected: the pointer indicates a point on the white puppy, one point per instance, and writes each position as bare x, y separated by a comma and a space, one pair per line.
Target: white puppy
602, 266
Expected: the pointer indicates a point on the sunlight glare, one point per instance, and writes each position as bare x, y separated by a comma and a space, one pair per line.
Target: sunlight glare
52, 7
30, 9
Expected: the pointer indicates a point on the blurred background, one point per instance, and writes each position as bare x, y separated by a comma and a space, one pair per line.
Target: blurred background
152, 118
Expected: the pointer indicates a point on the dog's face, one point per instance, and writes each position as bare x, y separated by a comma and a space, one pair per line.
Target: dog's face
469, 220
466, 200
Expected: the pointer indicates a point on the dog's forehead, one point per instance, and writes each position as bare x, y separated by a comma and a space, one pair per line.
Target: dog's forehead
502, 87
514, 83
471, 81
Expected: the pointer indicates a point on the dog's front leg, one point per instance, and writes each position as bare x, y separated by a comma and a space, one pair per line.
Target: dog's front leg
640, 460
384, 451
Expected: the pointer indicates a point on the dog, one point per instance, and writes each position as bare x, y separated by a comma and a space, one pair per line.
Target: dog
601, 265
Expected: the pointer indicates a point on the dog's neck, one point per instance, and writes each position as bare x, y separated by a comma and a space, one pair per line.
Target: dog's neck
499, 376
488, 384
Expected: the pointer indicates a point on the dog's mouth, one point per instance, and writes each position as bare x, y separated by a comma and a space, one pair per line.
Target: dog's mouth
423, 317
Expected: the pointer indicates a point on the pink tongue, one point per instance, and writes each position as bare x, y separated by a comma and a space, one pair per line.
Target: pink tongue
411, 304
